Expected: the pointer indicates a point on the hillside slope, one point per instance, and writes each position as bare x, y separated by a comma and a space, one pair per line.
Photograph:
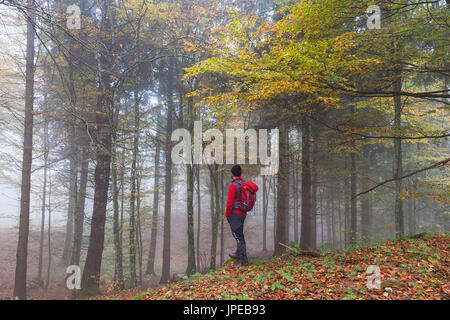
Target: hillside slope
410, 269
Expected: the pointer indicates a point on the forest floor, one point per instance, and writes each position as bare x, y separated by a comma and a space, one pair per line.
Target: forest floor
410, 269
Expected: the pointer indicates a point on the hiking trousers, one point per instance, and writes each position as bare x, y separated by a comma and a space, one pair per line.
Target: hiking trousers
237, 227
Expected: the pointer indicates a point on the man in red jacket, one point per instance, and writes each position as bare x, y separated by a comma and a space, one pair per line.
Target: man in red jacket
236, 217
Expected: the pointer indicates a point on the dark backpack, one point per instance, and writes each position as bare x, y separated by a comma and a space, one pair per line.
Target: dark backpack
245, 195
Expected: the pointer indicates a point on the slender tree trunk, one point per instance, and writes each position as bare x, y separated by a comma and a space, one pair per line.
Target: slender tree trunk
118, 265
49, 262
190, 219
198, 214
295, 191
165, 276
333, 222
282, 207
365, 214
413, 229
328, 216
211, 208
275, 188
214, 216
139, 223
120, 274
346, 205
265, 205
314, 177
353, 227
398, 161
306, 228
81, 204
190, 269
68, 242
151, 255
118, 279
222, 238
132, 242
340, 223
322, 212
20, 280
288, 188
44, 196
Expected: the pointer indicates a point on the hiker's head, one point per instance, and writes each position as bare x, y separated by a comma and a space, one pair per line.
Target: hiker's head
236, 171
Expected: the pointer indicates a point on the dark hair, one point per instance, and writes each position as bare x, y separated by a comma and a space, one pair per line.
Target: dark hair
236, 170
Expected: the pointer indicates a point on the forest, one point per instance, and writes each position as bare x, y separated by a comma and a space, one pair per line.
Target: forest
119, 122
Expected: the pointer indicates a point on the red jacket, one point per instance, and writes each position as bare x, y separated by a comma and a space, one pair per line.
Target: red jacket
231, 194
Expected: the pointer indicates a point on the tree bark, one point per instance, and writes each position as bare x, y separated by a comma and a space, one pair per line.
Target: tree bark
118, 262
214, 216
365, 205
353, 209
197, 172
306, 227
44, 195
282, 210
90, 283
68, 242
265, 205
190, 269
132, 227
398, 161
314, 178
346, 205
20, 279
165, 276
49, 262
221, 211
151, 255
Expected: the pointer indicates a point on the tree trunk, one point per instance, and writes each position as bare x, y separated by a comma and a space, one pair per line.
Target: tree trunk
295, 191
20, 280
398, 161
282, 193
265, 205
49, 262
132, 228
68, 242
275, 199
190, 269
139, 223
306, 228
81, 205
333, 222
151, 254
211, 206
365, 207
346, 205
92, 268
322, 212
118, 262
222, 238
214, 216
44, 195
197, 172
314, 177
165, 276
353, 227
328, 215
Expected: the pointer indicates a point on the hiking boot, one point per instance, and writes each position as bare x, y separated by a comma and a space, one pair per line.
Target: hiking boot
234, 255
242, 255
